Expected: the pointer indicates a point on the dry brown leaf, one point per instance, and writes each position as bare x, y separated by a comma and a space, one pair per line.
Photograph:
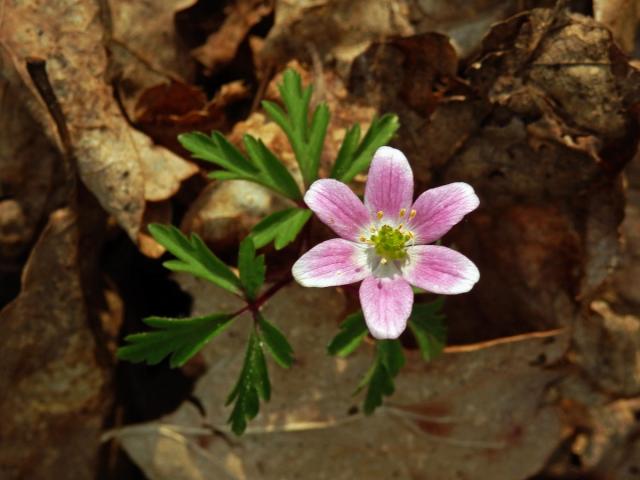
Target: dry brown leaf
164, 111
117, 163
53, 377
622, 17
221, 46
146, 49
331, 29
546, 165
480, 411
30, 169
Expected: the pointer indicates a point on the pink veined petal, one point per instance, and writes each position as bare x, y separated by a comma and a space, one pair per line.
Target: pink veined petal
386, 304
338, 207
439, 270
331, 263
389, 184
439, 209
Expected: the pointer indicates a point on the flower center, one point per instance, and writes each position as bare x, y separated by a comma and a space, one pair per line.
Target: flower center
390, 243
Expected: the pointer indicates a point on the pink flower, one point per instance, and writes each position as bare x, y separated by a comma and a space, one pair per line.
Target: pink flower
384, 242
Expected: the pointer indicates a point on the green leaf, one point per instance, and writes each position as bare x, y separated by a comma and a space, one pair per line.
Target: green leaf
317, 134
391, 356
427, 324
252, 268
380, 132
274, 173
387, 364
252, 385
194, 257
346, 152
306, 139
282, 227
380, 385
277, 343
224, 175
218, 150
278, 115
352, 332
181, 338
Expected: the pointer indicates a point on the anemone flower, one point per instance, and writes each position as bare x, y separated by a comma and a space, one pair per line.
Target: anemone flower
384, 242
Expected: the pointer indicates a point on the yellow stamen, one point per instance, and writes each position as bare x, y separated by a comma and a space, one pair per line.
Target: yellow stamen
400, 226
403, 211
363, 238
372, 229
380, 214
412, 214
383, 260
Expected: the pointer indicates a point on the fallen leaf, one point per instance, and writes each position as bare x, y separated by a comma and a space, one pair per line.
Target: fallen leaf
117, 163
221, 46
53, 377
446, 420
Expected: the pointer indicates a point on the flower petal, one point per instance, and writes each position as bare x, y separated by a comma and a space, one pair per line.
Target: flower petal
331, 263
338, 207
386, 303
439, 209
440, 270
389, 184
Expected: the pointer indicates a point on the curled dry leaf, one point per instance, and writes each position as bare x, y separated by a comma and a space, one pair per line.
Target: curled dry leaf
117, 163
622, 17
166, 110
446, 420
145, 47
53, 378
221, 46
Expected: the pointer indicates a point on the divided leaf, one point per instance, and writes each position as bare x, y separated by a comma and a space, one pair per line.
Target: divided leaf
353, 158
352, 331
181, 338
306, 139
427, 324
277, 343
218, 150
387, 364
252, 269
252, 385
194, 257
273, 173
262, 166
282, 227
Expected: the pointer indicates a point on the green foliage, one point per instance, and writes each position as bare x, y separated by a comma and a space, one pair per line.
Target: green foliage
273, 172
281, 227
387, 364
253, 385
261, 167
276, 342
252, 269
306, 138
194, 257
352, 332
354, 155
181, 338
427, 324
